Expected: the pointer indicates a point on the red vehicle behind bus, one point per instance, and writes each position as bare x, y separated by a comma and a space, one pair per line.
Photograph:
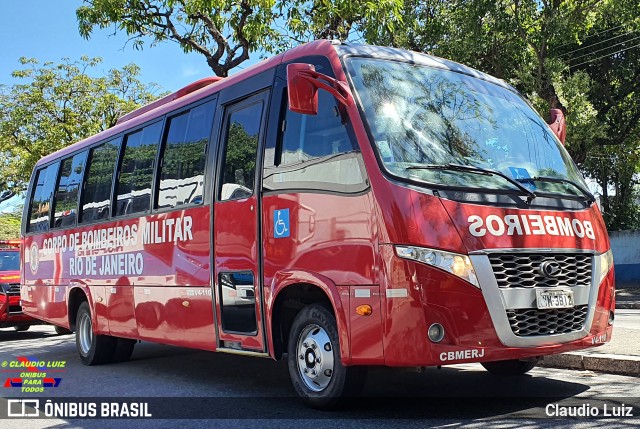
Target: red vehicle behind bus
343, 206
11, 315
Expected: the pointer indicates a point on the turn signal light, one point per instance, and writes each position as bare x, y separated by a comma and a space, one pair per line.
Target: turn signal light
364, 310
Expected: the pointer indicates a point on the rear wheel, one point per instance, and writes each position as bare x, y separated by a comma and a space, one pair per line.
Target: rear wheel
93, 349
314, 362
509, 367
21, 328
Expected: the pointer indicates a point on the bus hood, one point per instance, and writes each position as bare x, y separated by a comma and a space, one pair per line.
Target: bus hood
484, 227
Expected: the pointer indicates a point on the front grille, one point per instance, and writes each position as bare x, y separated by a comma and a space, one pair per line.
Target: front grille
523, 269
14, 289
531, 322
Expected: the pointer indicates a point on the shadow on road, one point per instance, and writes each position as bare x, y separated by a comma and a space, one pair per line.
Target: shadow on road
191, 384
11, 335
260, 388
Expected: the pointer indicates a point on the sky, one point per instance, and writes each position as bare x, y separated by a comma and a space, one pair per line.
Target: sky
47, 30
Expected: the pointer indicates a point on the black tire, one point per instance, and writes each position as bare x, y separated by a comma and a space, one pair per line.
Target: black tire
62, 331
93, 349
509, 367
21, 328
314, 335
124, 349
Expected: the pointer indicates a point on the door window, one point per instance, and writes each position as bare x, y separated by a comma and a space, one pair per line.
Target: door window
239, 160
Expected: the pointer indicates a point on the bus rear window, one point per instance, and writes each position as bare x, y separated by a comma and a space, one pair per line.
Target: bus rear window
39, 204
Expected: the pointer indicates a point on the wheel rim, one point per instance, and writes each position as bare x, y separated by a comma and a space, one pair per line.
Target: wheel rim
85, 333
315, 358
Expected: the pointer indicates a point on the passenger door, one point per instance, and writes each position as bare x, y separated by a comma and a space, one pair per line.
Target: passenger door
236, 235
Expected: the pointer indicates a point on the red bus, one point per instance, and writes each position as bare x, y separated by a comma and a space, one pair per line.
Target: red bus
340, 206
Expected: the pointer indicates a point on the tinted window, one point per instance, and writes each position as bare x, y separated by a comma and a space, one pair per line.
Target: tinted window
239, 164
307, 137
184, 158
97, 189
9, 260
136, 171
41, 198
422, 116
316, 152
65, 203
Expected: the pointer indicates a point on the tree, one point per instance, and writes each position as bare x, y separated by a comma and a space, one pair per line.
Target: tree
60, 104
308, 20
510, 39
9, 226
608, 60
226, 32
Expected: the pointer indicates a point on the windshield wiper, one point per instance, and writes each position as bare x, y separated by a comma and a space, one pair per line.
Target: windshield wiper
476, 170
588, 195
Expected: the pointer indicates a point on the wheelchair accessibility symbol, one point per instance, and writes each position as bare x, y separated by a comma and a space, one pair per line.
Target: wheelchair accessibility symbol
281, 223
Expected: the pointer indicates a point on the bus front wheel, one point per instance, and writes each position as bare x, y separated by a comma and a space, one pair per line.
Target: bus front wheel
93, 349
314, 362
509, 367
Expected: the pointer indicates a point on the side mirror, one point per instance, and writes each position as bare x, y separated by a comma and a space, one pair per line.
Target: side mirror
558, 124
303, 94
304, 81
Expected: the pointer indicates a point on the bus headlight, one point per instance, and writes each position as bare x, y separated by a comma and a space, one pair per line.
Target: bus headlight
606, 263
454, 263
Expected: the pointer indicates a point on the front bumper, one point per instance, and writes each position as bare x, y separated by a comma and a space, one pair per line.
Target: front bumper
476, 325
11, 312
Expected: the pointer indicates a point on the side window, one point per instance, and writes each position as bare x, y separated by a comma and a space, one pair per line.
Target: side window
133, 189
39, 205
240, 153
316, 152
65, 202
307, 137
184, 157
96, 194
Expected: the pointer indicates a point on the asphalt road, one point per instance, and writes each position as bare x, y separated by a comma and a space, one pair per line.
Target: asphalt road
627, 319
239, 391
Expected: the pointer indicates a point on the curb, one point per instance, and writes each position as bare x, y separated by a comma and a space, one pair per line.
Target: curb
614, 364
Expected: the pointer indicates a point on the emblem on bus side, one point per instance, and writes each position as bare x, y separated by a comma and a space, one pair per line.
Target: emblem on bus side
281, 223
34, 257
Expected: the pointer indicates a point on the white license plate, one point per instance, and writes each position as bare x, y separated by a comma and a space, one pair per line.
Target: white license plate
554, 299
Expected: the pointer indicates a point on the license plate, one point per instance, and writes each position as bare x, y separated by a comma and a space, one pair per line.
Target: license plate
554, 299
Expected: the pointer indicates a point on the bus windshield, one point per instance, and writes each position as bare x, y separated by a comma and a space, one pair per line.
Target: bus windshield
429, 124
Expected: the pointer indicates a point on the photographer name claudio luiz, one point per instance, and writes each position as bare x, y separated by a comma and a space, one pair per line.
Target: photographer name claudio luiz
588, 410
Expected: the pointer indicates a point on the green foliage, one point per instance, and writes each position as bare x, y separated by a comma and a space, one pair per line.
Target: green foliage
60, 104
341, 19
225, 32
9, 226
